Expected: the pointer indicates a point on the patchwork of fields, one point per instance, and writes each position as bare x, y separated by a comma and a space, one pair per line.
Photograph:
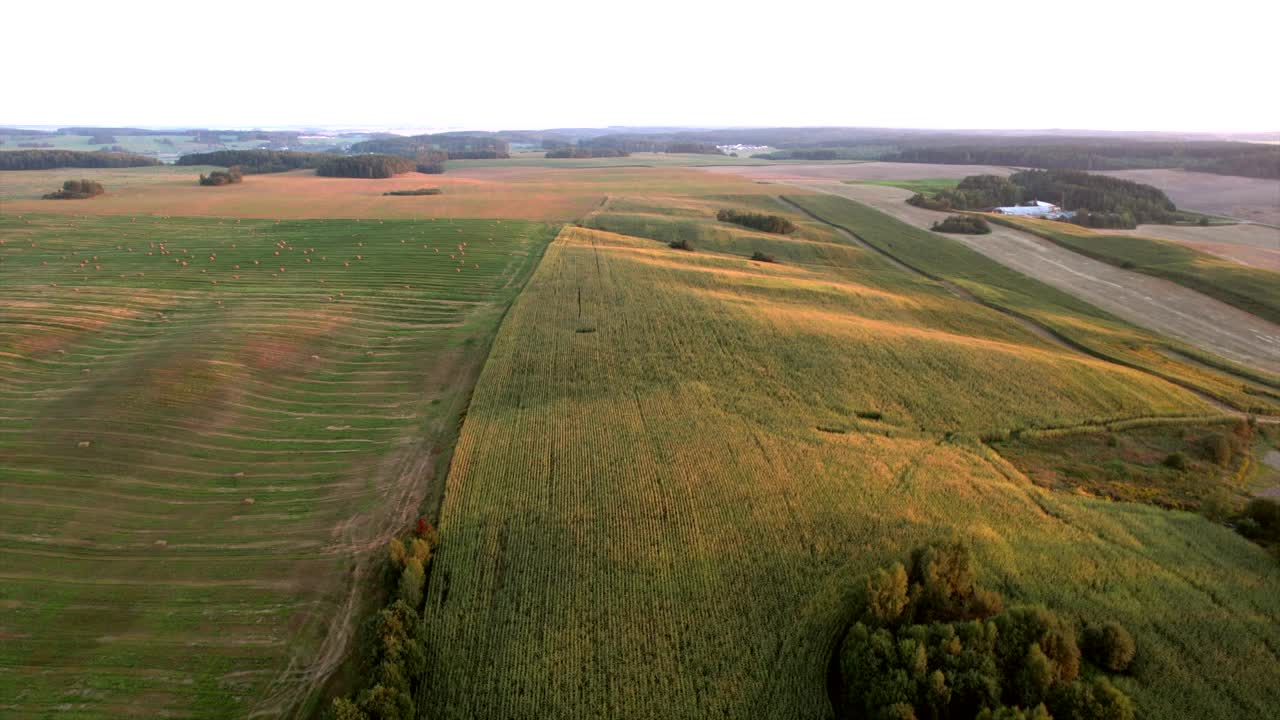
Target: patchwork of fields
673, 468
676, 463
208, 429
1165, 307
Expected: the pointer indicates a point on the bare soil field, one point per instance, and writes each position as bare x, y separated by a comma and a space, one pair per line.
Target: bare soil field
1243, 198
859, 171
1246, 243
549, 194
1141, 299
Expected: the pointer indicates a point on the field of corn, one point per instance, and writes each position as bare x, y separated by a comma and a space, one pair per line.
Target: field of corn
207, 429
676, 463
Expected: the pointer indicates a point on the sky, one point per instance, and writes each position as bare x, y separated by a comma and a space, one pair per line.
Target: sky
1102, 65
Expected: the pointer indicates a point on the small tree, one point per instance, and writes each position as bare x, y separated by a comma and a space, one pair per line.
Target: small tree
411, 581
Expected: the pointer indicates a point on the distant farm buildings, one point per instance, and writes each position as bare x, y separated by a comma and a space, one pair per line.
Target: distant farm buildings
1039, 209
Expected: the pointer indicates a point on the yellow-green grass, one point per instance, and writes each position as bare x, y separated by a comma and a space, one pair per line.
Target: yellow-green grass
676, 463
197, 464
1251, 289
1073, 320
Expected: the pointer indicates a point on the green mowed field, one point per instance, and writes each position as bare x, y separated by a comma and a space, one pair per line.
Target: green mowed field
676, 464
208, 430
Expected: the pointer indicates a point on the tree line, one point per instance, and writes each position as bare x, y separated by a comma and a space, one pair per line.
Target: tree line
577, 152
438, 147
393, 660
1099, 200
1223, 158
928, 642
365, 166
42, 159
257, 162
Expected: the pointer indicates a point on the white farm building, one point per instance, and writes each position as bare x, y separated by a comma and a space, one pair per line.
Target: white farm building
1039, 208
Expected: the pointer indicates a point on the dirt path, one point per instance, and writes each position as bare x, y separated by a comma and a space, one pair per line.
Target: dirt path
1146, 301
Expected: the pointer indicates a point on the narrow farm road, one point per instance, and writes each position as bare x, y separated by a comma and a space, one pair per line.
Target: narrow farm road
1146, 301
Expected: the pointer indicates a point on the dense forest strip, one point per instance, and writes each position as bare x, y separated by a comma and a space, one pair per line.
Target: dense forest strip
47, 159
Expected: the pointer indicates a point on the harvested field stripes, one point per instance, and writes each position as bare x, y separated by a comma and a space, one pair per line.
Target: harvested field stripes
198, 451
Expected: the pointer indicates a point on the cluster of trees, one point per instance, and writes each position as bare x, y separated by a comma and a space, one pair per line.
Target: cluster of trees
394, 659
35, 145
231, 175
49, 159
365, 166
1224, 158
928, 642
1100, 200
757, 221
578, 152
964, 224
256, 162
76, 190
102, 139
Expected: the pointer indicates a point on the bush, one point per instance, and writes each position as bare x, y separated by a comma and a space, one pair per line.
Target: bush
76, 190
1109, 646
928, 203
759, 256
1219, 449
965, 224
1260, 520
431, 168
683, 244
1177, 461
757, 221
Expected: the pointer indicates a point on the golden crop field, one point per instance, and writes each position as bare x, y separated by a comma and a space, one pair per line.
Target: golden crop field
677, 462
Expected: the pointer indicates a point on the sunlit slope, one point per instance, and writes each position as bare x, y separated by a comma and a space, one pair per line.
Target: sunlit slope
675, 461
206, 428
